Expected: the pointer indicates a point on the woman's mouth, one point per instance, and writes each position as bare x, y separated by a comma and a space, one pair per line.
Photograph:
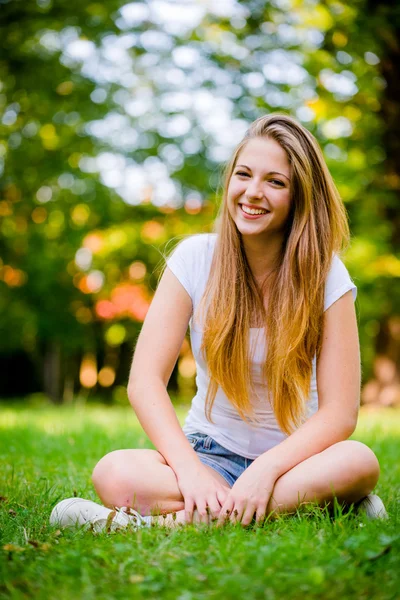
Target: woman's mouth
252, 213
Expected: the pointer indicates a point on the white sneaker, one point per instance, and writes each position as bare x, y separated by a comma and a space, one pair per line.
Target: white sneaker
373, 507
77, 511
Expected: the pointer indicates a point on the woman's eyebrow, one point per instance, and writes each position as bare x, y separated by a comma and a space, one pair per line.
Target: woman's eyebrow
270, 173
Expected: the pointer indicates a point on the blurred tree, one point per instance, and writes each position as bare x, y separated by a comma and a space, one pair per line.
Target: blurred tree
115, 119
382, 22
49, 204
364, 38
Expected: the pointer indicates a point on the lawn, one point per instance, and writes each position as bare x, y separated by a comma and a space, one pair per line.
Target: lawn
47, 453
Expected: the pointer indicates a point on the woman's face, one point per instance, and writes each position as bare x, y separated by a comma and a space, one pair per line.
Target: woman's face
260, 180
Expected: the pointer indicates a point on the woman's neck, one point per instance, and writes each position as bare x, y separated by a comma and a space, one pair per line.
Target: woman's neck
262, 255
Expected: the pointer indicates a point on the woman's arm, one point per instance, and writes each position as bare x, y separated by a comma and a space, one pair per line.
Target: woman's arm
338, 384
338, 380
155, 355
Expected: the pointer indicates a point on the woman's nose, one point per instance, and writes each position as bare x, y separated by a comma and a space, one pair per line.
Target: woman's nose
254, 190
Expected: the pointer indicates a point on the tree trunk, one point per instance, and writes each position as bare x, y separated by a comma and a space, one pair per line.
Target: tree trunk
52, 372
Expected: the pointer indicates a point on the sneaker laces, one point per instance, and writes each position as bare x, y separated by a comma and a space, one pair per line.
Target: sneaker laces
132, 516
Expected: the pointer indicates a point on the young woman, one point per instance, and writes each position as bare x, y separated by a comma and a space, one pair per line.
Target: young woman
273, 330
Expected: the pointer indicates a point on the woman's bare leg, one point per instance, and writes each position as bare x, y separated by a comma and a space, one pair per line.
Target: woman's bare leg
348, 470
139, 479
142, 480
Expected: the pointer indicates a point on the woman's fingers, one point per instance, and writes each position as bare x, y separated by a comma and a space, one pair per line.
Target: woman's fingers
248, 514
201, 512
222, 496
225, 511
260, 515
214, 508
189, 508
237, 513
205, 510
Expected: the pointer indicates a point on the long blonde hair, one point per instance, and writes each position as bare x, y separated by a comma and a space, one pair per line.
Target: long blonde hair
317, 228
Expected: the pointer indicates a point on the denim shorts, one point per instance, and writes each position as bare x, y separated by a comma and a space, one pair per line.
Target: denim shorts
226, 463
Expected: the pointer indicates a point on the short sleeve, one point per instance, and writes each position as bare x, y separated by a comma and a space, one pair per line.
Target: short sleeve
338, 283
181, 263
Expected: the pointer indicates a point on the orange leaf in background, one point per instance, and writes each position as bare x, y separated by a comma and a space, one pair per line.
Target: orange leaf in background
152, 231
105, 309
123, 296
93, 242
5, 209
83, 286
138, 310
131, 300
12, 277
39, 215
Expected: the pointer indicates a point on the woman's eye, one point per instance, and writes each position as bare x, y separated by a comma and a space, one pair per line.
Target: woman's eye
277, 182
242, 173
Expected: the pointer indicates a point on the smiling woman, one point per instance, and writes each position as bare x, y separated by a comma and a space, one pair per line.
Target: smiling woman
270, 306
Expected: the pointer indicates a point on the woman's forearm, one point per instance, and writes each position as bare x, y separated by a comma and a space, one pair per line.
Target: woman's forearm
320, 431
157, 416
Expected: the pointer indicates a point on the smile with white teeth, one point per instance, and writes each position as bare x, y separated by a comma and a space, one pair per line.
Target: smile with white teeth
252, 211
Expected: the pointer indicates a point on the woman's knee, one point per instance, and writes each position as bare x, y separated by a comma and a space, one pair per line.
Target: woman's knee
105, 469
140, 479
116, 476
362, 464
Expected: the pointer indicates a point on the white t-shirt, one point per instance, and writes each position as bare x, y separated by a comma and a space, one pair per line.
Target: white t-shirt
190, 263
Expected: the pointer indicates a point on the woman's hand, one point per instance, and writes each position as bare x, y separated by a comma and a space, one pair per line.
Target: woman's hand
202, 491
249, 496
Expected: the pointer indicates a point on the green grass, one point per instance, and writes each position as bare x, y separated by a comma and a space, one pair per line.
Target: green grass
48, 453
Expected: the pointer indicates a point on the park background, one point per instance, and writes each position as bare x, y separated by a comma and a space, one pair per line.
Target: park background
116, 119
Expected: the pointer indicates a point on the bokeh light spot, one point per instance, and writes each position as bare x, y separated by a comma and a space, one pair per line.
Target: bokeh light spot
187, 367
137, 270
80, 214
106, 376
88, 371
115, 334
44, 194
152, 231
39, 215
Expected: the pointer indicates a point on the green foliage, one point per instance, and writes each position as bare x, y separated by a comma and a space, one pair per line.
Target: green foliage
114, 130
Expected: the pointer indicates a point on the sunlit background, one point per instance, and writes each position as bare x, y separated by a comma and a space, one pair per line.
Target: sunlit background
116, 120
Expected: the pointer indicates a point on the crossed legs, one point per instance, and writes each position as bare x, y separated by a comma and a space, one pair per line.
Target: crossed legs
142, 480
